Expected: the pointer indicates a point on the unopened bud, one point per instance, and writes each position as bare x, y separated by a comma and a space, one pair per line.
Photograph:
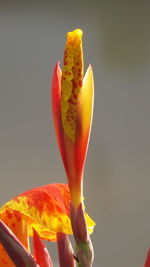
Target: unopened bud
65, 251
16, 251
40, 251
84, 253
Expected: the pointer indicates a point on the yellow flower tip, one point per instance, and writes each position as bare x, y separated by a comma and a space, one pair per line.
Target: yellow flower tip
72, 77
75, 37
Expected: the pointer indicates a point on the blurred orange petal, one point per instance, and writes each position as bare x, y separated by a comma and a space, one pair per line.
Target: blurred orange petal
45, 208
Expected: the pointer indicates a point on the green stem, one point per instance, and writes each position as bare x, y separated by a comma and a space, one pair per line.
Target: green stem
84, 253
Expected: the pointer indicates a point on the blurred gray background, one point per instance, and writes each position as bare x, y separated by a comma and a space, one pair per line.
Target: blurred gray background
117, 174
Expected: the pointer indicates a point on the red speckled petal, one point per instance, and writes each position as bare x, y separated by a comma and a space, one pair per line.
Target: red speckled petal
46, 209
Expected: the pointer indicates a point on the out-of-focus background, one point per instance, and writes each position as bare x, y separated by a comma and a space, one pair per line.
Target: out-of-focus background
117, 175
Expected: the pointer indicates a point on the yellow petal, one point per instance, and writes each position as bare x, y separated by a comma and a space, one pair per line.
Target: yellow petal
84, 120
85, 103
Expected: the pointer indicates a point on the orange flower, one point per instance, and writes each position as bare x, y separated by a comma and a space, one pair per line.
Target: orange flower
72, 103
45, 209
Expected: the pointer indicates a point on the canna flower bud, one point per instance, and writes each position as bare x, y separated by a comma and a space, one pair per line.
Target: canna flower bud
72, 104
16, 251
40, 251
84, 252
65, 251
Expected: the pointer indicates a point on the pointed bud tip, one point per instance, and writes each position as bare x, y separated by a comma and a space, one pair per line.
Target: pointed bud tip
65, 251
16, 251
40, 251
78, 223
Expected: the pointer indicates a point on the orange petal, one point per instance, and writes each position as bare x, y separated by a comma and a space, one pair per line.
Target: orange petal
45, 208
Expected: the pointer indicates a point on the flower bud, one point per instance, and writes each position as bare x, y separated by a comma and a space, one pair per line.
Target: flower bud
65, 251
16, 251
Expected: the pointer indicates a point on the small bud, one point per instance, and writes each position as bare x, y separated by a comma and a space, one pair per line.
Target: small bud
78, 223
40, 251
84, 250
16, 251
84, 253
65, 251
